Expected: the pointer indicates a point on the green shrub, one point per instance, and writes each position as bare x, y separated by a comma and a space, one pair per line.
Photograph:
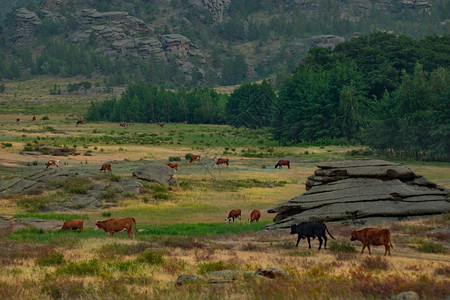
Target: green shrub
83, 268
7, 144
113, 177
303, 253
188, 156
151, 257
175, 158
106, 214
341, 246
77, 185
161, 196
431, 247
45, 118
50, 259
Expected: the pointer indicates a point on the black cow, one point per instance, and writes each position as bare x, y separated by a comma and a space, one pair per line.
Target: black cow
311, 230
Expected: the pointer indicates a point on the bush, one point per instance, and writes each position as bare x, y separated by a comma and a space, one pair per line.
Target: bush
341, 246
161, 196
114, 178
159, 188
83, 268
188, 156
77, 185
50, 259
175, 158
431, 247
151, 257
106, 214
45, 118
375, 263
6, 144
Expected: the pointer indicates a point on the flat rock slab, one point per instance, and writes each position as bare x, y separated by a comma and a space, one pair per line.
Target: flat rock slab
41, 224
361, 189
156, 174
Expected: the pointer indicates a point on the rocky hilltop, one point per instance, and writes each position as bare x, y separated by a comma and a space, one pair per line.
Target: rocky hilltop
361, 191
200, 37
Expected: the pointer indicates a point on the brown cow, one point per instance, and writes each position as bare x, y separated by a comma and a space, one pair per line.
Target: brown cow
17, 120
161, 124
221, 161
106, 167
283, 162
52, 163
195, 157
234, 213
254, 216
73, 224
34, 118
123, 125
373, 236
151, 122
185, 122
79, 122
173, 165
112, 226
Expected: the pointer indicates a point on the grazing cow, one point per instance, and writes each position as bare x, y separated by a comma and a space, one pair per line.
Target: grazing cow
112, 226
283, 162
106, 167
185, 122
234, 213
373, 236
311, 230
221, 161
173, 165
52, 163
123, 125
161, 124
254, 216
131, 121
151, 122
17, 120
195, 157
73, 224
79, 122
34, 118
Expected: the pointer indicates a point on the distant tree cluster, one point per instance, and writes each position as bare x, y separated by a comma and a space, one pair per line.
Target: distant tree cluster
144, 102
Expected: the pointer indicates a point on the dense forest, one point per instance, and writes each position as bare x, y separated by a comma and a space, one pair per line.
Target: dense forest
388, 91
247, 40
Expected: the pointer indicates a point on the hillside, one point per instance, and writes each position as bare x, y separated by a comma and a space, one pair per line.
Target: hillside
192, 42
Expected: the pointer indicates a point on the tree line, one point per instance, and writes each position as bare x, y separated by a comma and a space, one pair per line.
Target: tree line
387, 91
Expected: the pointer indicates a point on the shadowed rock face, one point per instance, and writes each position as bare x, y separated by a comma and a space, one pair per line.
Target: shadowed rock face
362, 191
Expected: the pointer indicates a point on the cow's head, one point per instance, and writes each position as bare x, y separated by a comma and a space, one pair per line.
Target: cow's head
293, 229
354, 236
98, 225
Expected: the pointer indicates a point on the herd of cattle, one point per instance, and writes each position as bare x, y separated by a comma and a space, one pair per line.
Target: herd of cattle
304, 230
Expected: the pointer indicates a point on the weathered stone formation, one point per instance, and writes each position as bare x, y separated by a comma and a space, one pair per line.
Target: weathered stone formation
354, 10
326, 40
156, 174
362, 191
217, 8
25, 22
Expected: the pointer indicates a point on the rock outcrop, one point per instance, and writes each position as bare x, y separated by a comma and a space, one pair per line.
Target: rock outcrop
156, 174
326, 40
25, 22
217, 8
361, 191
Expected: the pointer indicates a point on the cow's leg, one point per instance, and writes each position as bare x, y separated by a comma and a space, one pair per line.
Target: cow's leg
239, 218
298, 241
364, 247
325, 238
320, 242
309, 242
110, 234
289, 167
368, 247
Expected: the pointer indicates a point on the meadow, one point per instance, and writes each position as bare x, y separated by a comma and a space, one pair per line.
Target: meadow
185, 231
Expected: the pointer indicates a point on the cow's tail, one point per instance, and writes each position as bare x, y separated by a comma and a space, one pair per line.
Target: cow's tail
135, 228
329, 232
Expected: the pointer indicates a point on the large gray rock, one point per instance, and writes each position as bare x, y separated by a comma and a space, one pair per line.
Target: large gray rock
410, 295
187, 278
41, 224
156, 174
272, 272
359, 190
